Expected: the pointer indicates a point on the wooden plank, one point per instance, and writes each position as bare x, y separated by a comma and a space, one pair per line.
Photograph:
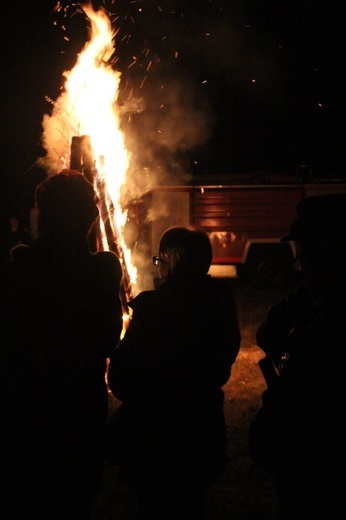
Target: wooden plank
257, 213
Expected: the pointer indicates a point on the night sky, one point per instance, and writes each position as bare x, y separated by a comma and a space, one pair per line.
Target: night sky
208, 86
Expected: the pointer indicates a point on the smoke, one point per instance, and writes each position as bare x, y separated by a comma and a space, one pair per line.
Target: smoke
166, 105
173, 121
58, 128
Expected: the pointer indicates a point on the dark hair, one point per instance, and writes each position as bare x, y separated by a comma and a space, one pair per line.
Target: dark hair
187, 251
321, 217
66, 203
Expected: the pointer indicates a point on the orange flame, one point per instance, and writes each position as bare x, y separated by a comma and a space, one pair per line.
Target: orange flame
87, 106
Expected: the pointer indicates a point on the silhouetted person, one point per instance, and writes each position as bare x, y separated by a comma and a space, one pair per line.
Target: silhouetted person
273, 334
299, 433
62, 319
168, 371
13, 234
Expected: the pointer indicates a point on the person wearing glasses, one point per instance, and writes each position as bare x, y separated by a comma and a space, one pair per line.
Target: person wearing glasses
168, 372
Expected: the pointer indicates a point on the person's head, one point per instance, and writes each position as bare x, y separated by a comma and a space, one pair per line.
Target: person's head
319, 233
66, 204
184, 252
14, 223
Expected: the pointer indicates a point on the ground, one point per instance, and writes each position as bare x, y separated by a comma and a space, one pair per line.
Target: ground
244, 492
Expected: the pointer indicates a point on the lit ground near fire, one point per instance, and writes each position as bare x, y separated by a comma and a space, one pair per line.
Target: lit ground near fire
244, 492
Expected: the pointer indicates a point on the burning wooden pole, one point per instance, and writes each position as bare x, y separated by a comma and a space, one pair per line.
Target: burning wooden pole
82, 160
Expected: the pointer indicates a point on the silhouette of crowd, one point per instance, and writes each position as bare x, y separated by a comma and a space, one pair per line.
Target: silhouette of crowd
62, 318
63, 350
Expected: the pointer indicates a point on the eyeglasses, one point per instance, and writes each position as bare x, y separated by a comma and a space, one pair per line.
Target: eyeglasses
157, 260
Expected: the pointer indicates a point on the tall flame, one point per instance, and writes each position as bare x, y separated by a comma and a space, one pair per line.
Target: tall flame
88, 106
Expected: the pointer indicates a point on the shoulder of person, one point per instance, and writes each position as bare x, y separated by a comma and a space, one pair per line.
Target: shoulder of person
144, 299
220, 286
109, 263
16, 269
20, 252
19, 257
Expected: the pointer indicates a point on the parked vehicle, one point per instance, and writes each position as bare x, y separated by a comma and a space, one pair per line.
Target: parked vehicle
245, 222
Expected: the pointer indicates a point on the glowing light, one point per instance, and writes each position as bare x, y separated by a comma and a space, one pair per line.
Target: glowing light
88, 106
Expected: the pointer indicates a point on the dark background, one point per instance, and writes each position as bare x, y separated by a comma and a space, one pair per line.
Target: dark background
239, 87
